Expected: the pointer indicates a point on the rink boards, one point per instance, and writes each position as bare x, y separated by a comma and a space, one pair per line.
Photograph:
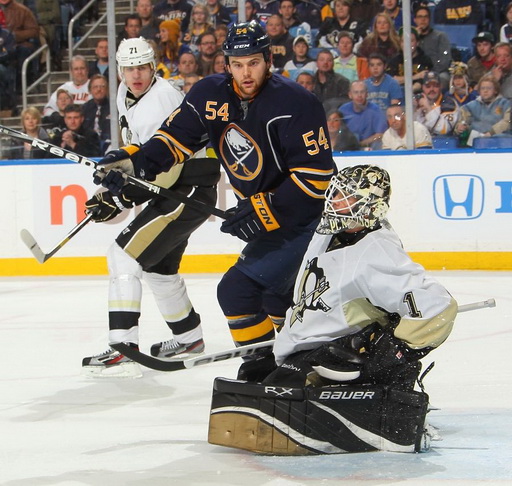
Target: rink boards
452, 210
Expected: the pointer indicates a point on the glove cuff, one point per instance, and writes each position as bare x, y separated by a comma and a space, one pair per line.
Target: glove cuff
122, 202
263, 210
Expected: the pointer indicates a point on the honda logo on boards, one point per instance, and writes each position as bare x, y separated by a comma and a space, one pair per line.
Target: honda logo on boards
458, 196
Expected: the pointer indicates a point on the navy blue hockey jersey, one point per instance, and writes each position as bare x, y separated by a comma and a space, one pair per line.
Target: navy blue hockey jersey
278, 142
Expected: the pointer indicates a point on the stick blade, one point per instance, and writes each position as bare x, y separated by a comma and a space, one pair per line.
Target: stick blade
33, 246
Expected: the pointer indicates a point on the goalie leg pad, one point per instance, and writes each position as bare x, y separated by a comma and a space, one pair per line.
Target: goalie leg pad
283, 420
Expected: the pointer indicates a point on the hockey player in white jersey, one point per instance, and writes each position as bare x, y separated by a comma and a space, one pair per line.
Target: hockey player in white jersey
151, 247
348, 355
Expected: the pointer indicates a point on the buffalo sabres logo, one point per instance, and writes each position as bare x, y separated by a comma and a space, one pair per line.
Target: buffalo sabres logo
241, 153
312, 285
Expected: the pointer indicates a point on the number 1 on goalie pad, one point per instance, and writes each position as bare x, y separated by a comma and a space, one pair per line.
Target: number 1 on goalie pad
325, 420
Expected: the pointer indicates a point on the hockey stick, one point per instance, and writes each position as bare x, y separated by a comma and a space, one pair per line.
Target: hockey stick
80, 159
175, 364
39, 254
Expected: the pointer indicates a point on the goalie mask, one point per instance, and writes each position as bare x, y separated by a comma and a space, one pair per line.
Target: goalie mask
356, 197
134, 52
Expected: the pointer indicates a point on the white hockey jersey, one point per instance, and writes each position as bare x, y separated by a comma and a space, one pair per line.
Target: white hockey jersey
342, 290
80, 95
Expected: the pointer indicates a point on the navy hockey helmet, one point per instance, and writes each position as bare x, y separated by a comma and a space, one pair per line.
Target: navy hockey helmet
356, 196
247, 38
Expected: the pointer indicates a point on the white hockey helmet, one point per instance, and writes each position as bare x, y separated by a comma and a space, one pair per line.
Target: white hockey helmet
363, 191
134, 52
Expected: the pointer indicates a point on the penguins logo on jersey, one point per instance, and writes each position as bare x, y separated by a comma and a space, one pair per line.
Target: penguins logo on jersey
312, 285
126, 133
241, 153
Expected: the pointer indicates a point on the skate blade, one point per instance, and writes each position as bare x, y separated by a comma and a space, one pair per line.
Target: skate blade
121, 370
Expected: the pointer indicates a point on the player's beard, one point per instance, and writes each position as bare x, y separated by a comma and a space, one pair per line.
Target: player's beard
250, 92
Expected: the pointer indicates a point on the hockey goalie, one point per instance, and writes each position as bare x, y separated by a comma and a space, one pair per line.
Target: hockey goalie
346, 362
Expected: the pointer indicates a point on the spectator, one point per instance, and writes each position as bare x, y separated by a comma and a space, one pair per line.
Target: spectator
438, 112
54, 122
7, 71
383, 90
219, 63
75, 137
341, 138
458, 12
97, 111
506, 29
394, 138
177, 10
132, 28
221, 32
218, 14
300, 61
187, 64
488, 115
207, 50
364, 11
460, 88
250, 11
421, 63
307, 81
483, 60
281, 42
383, 39
31, 125
392, 8
49, 19
310, 12
341, 21
347, 63
199, 24
502, 69
264, 9
100, 64
329, 86
435, 44
22, 23
363, 118
169, 48
78, 86
190, 80
292, 24
150, 24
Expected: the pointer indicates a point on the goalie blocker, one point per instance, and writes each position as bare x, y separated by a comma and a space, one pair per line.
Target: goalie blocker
323, 420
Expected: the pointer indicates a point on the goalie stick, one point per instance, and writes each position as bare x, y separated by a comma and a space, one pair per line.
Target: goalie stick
250, 349
36, 250
80, 159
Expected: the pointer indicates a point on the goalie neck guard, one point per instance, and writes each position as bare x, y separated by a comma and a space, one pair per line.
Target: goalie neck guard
356, 197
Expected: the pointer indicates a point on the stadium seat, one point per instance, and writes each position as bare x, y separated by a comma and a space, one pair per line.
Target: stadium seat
492, 143
445, 142
461, 38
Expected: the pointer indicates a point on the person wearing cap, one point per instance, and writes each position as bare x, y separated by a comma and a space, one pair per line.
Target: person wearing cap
421, 63
506, 29
460, 88
341, 21
483, 60
300, 62
437, 111
347, 63
281, 42
435, 44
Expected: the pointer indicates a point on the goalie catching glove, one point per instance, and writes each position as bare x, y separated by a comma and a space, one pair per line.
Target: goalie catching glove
127, 160
251, 218
105, 206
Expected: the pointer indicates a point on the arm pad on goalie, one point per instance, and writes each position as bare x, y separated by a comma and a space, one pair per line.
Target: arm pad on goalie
251, 218
105, 206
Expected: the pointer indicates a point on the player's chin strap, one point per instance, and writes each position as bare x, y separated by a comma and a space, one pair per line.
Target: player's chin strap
80, 159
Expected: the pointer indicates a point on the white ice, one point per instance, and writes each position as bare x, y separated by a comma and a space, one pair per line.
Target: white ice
59, 428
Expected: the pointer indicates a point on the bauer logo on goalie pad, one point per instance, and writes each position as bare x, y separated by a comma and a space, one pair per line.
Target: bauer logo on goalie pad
346, 395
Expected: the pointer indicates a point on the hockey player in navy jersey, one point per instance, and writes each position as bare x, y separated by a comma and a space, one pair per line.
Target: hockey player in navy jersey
271, 137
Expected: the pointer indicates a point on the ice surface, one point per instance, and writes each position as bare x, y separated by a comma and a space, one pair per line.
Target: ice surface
59, 428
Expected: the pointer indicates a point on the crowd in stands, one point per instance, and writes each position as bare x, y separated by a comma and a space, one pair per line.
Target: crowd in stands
349, 53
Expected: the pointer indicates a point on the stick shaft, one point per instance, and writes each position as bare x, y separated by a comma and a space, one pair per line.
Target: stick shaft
79, 159
477, 305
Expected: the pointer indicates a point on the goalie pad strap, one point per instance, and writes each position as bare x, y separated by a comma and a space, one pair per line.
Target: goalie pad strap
263, 211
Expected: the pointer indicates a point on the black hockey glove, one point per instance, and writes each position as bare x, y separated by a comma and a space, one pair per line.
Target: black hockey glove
105, 206
251, 218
